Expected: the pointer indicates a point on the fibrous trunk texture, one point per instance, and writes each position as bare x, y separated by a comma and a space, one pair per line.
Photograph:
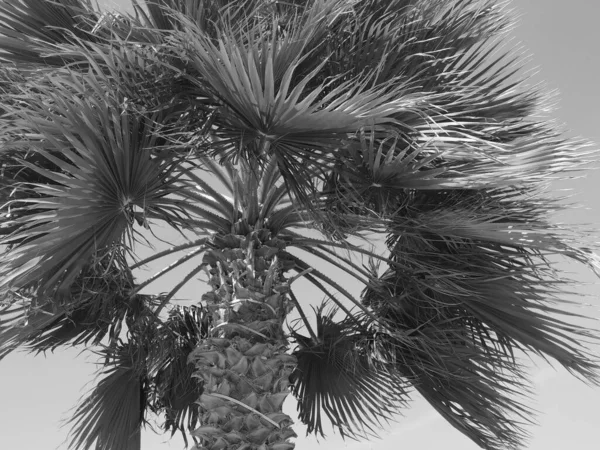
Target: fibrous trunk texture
244, 365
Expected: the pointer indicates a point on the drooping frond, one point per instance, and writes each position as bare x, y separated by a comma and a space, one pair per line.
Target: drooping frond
149, 372
340, 376
470, 285
488, 254
94, 310
463, 370
17, 322
173, 391
111, 416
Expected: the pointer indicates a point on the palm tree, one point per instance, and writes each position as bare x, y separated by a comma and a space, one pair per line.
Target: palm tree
394, 143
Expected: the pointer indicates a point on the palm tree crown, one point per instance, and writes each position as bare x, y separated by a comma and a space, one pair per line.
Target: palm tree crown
393, 141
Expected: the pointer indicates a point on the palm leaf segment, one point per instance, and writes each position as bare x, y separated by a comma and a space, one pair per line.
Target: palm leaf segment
246, 128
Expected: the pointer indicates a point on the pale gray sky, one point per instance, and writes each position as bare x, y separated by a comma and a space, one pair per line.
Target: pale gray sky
35, 393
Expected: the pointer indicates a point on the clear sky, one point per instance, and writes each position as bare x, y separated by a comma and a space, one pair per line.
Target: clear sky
36, 393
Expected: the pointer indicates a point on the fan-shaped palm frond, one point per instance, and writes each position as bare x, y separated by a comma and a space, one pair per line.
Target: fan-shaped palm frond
261, 113
372, 175
339, 374
102, 179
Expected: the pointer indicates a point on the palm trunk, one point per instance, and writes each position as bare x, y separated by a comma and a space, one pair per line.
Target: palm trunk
244, 364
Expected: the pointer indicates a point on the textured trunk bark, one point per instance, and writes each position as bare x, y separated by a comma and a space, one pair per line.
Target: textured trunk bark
244, 364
